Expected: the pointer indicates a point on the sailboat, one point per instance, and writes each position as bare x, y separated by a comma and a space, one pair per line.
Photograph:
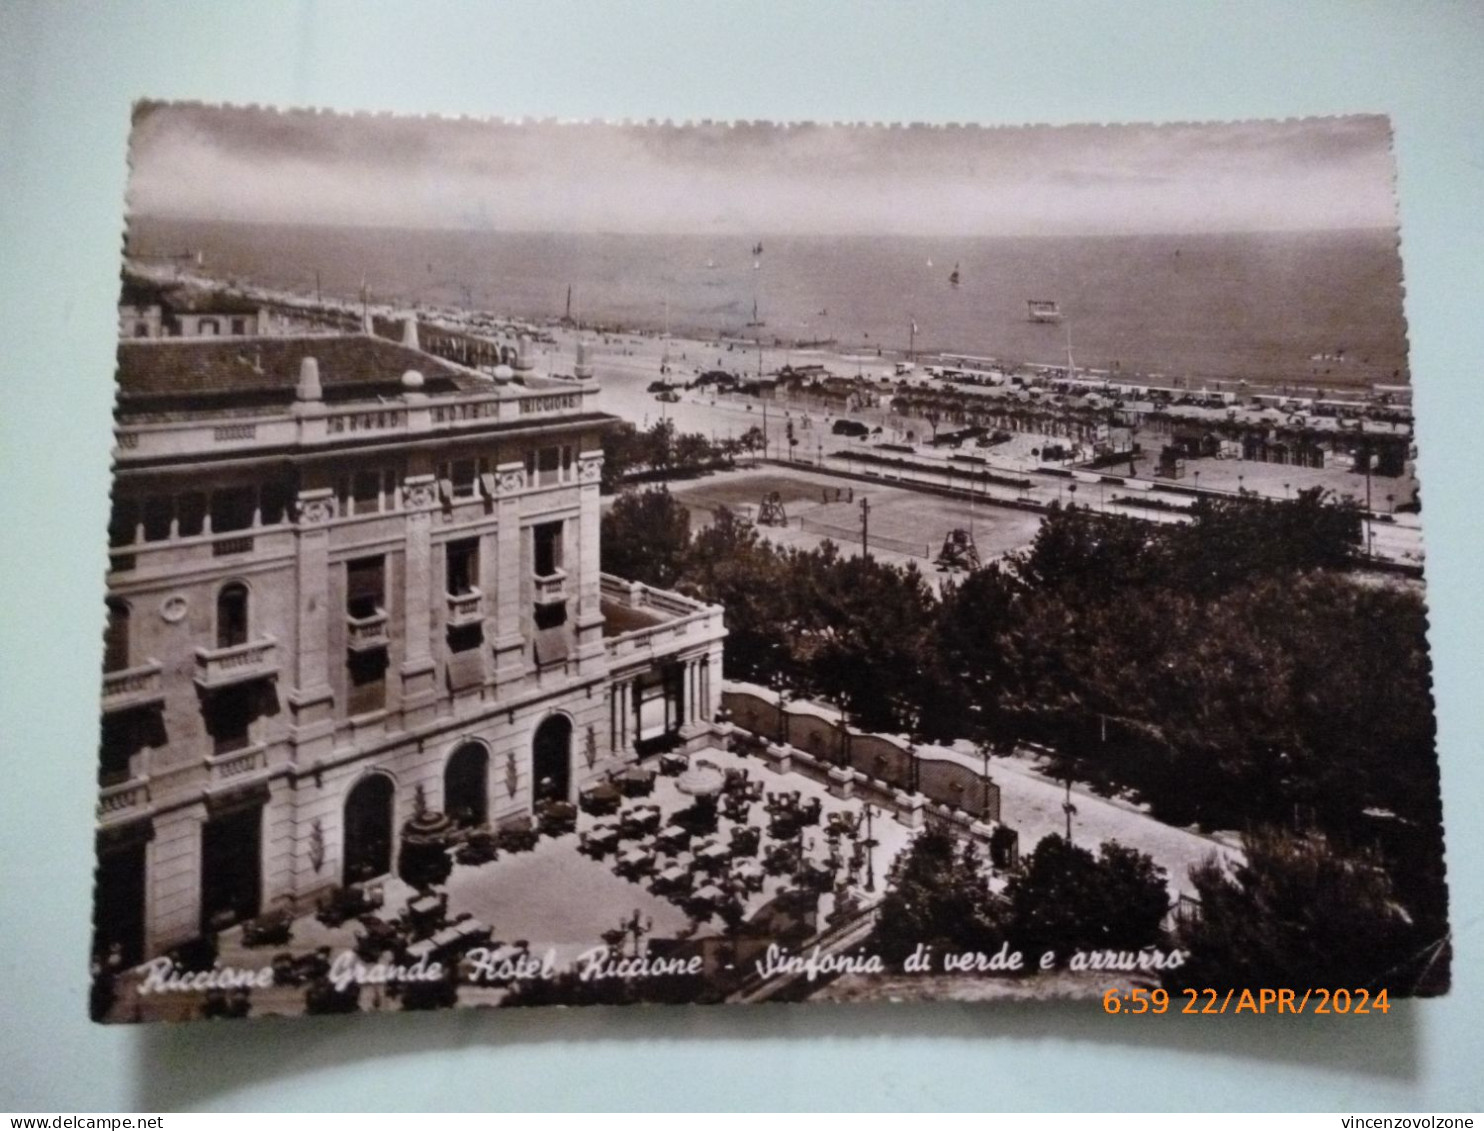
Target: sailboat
756, 321
953, 277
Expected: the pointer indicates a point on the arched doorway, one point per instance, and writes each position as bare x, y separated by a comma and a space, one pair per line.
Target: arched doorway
466, 786
551, 760
368, 829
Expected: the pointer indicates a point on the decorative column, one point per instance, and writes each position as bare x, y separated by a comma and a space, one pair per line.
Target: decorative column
311, 699
591, 651
511, 571
419, 669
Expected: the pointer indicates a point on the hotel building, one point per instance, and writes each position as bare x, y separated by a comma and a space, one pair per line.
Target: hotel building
348, 578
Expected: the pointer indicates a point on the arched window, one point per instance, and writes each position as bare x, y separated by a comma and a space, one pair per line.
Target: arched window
466, 785
116, 637
231, 615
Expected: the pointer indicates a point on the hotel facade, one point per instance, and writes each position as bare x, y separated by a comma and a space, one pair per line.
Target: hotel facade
348, 580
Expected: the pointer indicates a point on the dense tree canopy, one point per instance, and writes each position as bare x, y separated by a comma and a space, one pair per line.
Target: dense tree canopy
1228, 671
1299, 912
1064, 899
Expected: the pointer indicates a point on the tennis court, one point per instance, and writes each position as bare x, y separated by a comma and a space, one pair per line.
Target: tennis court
904, 524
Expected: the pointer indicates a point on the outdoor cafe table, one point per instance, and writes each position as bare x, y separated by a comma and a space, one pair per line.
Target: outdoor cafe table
421, 950
713, 853
748, 871
674, 836
635, 857
602, 796
603, 837
425, 910
635, 782
709, 894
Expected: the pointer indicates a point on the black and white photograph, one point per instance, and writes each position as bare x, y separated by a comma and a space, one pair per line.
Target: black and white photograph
559, 563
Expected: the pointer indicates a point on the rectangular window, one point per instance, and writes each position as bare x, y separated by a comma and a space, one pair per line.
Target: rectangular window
121, 740
190, 510
657, 701
550, 616
159, 513
458, 479
229, 717
365, 587
548, 466
116, 637
551, 643
239, 327
548, 547
366, 672
463, 566
123, 523
278, 501
232, 509
366, 493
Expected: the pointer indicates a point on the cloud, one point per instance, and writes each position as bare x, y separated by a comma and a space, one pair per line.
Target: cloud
259, 165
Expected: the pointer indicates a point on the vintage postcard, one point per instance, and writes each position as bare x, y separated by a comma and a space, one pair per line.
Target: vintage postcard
586, 563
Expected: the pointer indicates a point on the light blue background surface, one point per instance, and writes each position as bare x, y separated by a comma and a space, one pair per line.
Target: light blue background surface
67, 76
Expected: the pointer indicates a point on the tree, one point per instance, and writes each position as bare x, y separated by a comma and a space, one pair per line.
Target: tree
1298, 912
1066, 899
937, 895
646, 536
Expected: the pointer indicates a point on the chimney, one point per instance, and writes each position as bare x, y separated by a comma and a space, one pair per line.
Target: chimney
409, 333
523, 354
309, 389
583, 369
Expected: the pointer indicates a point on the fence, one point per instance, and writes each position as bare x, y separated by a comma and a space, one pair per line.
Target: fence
887, 763
839, 532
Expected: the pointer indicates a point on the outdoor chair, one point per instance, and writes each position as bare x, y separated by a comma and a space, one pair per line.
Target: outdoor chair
516, 834
272, 928
745, 841
601, 799
478, 848
377, 937
558, 818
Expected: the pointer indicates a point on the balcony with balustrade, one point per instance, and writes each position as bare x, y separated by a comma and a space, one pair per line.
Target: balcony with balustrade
641, 621
366, 634
129, 688
465, 608
550, 589
239, 663
123, 801
238, 767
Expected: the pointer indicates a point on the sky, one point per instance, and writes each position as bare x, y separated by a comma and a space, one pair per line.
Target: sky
253, 165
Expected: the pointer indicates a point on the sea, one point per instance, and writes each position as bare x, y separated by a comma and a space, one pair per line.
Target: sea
1302, 308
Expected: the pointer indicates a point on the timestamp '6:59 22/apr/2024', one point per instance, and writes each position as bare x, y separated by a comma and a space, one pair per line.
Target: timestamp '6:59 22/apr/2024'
1264, 1000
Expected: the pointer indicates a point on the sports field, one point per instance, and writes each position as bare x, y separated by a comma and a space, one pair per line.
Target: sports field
904, 524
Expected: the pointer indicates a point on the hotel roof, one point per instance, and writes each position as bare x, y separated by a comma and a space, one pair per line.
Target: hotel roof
212, 375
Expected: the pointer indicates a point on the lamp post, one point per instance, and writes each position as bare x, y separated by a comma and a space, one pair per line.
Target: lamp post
781, 689
870, 843
1068, 808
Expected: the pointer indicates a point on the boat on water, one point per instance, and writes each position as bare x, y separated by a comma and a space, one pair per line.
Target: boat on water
1042, 310
953, 277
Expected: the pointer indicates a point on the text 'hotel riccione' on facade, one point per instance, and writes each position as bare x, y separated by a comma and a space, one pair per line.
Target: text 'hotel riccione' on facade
347, 579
